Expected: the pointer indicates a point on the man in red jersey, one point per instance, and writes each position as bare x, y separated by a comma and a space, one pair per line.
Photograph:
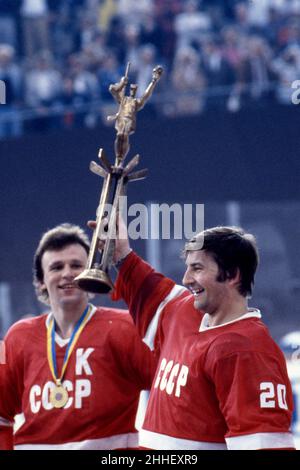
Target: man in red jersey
221, 380
76, 373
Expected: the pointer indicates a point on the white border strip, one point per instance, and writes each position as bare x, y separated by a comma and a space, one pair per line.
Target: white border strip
261, 440
152, 328
153, 440
120, 441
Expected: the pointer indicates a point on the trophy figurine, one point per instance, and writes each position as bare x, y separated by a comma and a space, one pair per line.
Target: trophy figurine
95, 278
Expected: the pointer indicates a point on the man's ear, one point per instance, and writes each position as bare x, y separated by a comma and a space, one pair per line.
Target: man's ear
235, 279
42, 287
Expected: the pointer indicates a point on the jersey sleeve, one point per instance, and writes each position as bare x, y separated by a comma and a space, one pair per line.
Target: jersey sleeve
143, 289
137, 361
254, 395
6, 423
11, 380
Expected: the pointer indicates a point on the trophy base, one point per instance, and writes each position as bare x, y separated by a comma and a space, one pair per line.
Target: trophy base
94, 281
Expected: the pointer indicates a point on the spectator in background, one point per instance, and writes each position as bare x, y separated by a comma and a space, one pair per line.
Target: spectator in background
287, 69
109, 73
115, 39
96, 52
70, 102
43, 83
231, 46
293, 32
84, 82
165, 13
34, 15
273, 27
8, 12
107, 10
146, 63
187, 81
87, 31
162, 7
169, 41
79, 88
191, 24
10, 73
219, 74
64, 33
43, 87
134, 11
258, 12
241, 17
85, 86
132, 45
151, 33
255, 74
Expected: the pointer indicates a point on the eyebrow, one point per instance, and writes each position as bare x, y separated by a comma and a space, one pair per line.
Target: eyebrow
54, 263
194, 265
58, 262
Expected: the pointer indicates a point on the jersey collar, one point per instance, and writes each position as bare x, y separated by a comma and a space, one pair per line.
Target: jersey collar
204, 326
62, 342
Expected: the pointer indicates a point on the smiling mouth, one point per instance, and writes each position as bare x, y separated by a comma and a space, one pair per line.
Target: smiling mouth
68, 286
197, 292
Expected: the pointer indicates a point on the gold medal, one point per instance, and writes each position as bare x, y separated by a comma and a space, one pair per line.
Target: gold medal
59, 396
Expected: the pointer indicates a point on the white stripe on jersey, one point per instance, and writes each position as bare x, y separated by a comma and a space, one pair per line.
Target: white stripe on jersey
120, 441
152, 328
5, 422
153, 440
19, 421
149, 340
261, 440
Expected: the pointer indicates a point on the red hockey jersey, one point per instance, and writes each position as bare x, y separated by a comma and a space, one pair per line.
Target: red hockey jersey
215, 388
108, 368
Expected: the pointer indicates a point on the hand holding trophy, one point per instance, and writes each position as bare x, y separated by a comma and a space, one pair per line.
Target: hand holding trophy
95, 278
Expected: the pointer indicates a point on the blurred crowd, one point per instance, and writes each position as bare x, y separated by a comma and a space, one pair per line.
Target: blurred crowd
58, 57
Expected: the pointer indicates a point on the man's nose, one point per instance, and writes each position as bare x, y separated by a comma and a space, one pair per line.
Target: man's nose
67, 271
187, 279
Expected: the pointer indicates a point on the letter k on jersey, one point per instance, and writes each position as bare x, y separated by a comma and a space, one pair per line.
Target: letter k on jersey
171, 377
82, 365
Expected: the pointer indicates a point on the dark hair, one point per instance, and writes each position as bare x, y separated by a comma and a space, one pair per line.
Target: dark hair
233, 250
54, 240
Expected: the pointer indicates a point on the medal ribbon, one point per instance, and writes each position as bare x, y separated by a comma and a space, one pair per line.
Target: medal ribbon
51, 353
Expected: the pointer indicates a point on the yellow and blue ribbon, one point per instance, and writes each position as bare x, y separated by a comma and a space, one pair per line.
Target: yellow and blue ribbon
51, 353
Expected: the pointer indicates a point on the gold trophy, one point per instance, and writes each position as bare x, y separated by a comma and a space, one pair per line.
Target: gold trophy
95, 278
